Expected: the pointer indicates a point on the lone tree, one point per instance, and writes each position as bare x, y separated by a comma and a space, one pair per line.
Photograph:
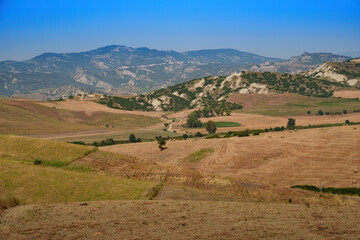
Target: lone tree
210, 127
193, 120
132, 138
291, 123
161, 141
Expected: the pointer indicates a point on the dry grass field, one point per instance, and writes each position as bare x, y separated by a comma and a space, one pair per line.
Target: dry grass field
228, 188
179, 220
256, 121
326, 156
29, 118
291, 104
347, 94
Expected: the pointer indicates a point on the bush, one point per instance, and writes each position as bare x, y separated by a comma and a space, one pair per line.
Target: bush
185, 136
291, 123
320, 112
347, 122
211, 127
198, 134
344, 111
37, 162
132, 138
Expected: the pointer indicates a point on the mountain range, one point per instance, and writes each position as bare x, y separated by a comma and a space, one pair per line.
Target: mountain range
120, 69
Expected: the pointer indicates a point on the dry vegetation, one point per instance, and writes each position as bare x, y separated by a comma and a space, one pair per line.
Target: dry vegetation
326, 156
179, 220
29, 117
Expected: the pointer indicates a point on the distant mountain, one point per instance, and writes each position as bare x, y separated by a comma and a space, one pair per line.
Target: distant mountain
301, 63
120, 69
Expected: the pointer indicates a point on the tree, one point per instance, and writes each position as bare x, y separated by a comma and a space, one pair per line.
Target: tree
132, 138
193, 120
228, 112
308, 112
344, 111
185, 136
198, 134
210, 127
291, 123
320, 112
161, 141
347, 122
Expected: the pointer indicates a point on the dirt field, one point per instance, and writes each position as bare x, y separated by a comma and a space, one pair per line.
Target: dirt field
90, 107
347, 94
326, 156
179, 220
255, 121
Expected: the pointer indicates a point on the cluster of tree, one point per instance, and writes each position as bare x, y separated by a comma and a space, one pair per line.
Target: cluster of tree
133, 139
106, 142
321, 112
193, 119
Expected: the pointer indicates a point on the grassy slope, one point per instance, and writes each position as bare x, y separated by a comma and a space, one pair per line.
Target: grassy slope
292, 104
27, 117
40, 184
30, 183
28, 149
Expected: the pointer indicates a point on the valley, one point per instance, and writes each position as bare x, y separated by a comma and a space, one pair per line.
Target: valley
69, 168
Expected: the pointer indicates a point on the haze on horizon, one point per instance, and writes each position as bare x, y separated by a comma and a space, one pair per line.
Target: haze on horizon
269, 28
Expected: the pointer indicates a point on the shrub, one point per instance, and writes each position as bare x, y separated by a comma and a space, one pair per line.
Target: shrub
132, 138
347, 122
211, 127
185, 136
291, 123
320, 112
198, 134
37, 162
344, 111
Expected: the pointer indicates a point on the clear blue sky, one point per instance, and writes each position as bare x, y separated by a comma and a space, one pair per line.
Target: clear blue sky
271, 28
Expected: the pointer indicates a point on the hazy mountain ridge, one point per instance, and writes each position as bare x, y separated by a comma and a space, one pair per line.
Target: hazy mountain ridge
301, 63
120, 67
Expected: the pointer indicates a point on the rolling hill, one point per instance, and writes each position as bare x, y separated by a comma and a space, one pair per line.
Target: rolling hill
213, 92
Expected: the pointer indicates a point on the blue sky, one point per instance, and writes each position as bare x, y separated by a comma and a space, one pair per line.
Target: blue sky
270, 28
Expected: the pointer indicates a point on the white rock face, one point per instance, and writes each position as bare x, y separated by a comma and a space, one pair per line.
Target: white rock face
156, 104
352, 82
326, 71
184, 95
176, 94
200, 83
122, 73
244, 91
234, 79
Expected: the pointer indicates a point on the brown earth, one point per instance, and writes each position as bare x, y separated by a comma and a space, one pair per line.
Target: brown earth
326, 156
347, 94
179, 220
90, 107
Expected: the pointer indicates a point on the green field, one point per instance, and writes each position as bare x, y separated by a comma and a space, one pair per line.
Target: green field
300, 105
225, 124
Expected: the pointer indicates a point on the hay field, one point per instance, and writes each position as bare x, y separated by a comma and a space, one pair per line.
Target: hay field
326, 156
29, 118
179, 220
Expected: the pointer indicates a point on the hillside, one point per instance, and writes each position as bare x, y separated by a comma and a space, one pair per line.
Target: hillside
297, 64
118, 69
347, 72
213, 92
